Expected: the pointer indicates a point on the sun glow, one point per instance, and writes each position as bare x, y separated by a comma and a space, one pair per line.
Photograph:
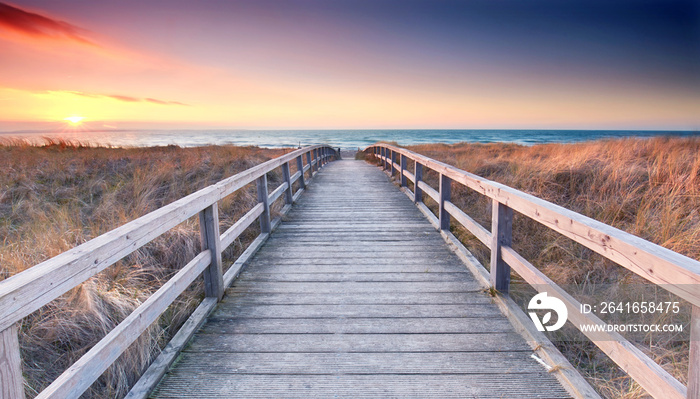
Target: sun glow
74, 120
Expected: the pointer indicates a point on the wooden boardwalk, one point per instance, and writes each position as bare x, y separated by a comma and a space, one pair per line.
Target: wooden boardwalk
356, 295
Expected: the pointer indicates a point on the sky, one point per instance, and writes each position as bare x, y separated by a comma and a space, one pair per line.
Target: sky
351, 64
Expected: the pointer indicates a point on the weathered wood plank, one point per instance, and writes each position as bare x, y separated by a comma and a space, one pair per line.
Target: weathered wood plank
502, 232
347, 343
277, 193
263, 198
229, 309
350, 262
445, 195
406, 325
239, 227
254, 275
354, 267
479, 231
11, 381
210, 238
289, 195
361, 363
362, 298
425, 188
523, 386
355, 287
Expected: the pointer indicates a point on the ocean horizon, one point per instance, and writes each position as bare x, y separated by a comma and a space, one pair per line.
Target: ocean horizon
345, 139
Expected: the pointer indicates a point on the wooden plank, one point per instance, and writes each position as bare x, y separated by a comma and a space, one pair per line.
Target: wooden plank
410, 176
417, 178
524, 386
209, 235
239, 227
309, 166
300, 170
404, 325
652, 377
445, 193
386, 298
79, 376
254, 275
277, 193
694, 356
367, 267
296, 176
466, 311
319, 244
350, 261
361, 363
425, 187
288, 194
11, 381
355, 287
470, 224
675, 272
356, 343
402, 173
157, 369
395, 253
263, 198
502, 232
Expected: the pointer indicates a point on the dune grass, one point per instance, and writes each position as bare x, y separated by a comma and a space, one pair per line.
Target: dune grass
61, 194
647, 187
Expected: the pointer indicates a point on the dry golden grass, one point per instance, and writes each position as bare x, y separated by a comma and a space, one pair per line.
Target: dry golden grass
647, 187
60, 195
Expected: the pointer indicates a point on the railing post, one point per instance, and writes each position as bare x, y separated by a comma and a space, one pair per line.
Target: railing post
300, 167
288, 193
381, 157
445, 193
393, 163
694, 357
210, 238
317, 157
311, 168
261, 183
11, 381
501, 234
417, 192
404, 160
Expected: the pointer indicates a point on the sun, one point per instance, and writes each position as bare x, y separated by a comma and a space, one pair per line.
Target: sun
74, 120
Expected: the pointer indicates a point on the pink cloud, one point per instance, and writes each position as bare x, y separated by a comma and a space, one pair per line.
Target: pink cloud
38, 26
128, 99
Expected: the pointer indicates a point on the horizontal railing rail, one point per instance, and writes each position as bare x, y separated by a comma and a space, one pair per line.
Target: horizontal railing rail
26, 292
670, 270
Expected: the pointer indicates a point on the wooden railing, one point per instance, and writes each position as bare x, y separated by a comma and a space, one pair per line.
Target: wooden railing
670, 270
26, 292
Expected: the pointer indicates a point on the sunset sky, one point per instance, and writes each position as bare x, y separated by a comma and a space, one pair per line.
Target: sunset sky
288, 64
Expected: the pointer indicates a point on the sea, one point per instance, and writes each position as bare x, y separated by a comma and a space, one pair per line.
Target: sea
344, 139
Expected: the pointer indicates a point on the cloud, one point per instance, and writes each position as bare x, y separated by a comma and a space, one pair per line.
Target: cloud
128, 99
38, 26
